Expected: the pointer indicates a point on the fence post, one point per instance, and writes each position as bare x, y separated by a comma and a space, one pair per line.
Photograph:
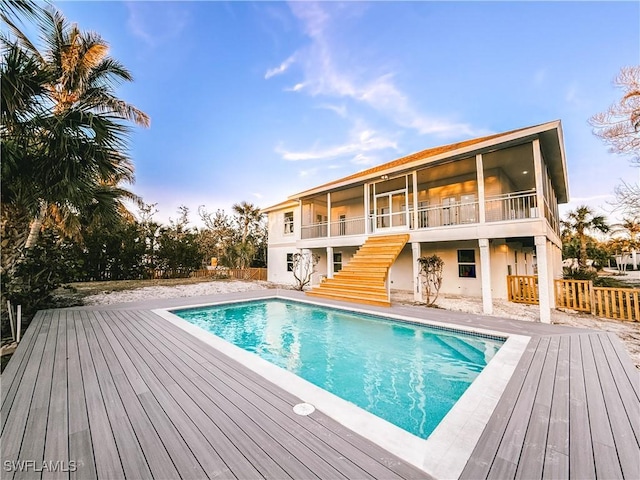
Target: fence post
592, 298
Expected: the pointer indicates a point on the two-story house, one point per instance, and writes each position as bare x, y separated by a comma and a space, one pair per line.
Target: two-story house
487, 206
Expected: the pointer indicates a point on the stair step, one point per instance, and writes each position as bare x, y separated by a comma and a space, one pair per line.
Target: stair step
378, 289
362, 280
349, 298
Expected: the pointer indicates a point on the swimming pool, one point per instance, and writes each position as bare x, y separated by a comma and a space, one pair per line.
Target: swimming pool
410, 375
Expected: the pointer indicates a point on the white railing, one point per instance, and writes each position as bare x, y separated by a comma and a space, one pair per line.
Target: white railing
443, 215
347, 226
315, 230
511, 206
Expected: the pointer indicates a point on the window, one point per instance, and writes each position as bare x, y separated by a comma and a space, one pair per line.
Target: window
288, 223
289, 262
467, 263
337, 262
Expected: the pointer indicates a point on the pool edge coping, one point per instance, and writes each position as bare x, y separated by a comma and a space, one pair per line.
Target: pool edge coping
445, 453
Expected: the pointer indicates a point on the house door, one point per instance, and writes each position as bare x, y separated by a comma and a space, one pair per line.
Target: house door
391, 210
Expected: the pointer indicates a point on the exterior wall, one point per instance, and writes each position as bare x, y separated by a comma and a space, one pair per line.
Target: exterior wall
351, 209
277, 264
277, 235
402, 270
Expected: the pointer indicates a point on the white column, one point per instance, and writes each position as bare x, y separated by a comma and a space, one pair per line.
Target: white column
328, 214
415, 201
367, 221
544, 298
329, 262
417, 284
485, 269
480, 177
537, 166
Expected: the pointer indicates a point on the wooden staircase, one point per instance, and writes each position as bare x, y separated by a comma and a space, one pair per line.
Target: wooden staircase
363, 279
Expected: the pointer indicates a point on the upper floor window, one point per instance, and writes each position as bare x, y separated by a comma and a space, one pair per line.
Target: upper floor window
288, 223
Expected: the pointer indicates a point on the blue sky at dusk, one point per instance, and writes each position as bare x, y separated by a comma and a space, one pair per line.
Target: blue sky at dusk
258, 101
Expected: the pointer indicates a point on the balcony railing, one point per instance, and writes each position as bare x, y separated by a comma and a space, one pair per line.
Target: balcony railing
343, 227
443, 215
511, 206
315, 230
347, 226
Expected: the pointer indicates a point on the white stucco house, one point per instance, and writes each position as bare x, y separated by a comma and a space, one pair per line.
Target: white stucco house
487, 206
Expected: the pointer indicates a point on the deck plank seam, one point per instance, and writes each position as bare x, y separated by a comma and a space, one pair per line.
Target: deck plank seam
92, 371
77, 320
15, 378
124, 358
608, 403
128, 413
30, 413
167, 392
27, 410
98, 355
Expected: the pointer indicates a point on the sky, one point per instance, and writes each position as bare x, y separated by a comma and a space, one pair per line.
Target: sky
259, 101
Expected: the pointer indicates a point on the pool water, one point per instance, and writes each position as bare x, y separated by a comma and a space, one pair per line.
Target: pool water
410, 375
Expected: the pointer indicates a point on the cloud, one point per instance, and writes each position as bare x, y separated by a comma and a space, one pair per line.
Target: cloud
156, 25
296, 88
272, 72
307, 173
323, 77
360, 141
340, 110
540, 76
257, 195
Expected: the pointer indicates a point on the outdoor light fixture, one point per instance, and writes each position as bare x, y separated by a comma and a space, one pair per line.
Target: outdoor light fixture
385, 177
525, 172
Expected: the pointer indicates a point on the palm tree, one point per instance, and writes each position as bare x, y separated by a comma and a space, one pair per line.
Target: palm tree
630, 227
248, 217
578, 223
66, 147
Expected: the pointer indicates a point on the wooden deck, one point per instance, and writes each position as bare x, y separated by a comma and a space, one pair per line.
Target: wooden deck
121, 392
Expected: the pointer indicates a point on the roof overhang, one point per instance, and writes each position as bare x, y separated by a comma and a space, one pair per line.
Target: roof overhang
551, 140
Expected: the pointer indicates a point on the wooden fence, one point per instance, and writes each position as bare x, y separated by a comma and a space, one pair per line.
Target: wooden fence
237, 273
248, 273
616, 303
580, 295
575, 295
522, 289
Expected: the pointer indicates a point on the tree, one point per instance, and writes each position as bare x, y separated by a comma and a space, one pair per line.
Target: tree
431, 275
178, 252
304, 265
619, 125
578, 224
249, 219
630, 228
64, 144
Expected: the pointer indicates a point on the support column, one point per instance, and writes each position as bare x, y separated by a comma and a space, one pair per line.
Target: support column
481, 199
328, 214
367, 208
415, 201
544, 298
417, 284
329, 262
485, 269
538, 166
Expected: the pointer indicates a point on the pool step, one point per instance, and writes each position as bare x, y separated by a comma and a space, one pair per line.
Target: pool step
363, 279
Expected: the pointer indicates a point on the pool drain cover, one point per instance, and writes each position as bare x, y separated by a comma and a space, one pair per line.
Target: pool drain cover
303, 409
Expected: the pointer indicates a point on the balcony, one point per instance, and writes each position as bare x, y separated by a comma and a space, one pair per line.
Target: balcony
498, 208
511, 206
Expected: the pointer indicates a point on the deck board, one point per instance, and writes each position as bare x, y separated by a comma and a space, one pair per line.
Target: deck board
127, 394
